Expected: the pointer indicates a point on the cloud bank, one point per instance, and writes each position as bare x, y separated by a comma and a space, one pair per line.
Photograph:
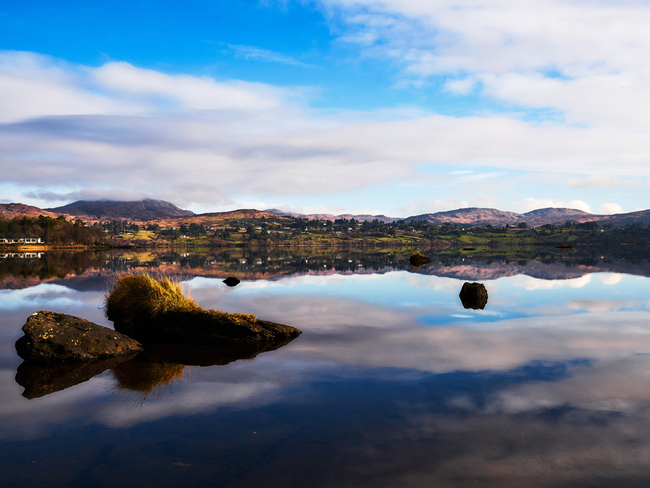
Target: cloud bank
569, 79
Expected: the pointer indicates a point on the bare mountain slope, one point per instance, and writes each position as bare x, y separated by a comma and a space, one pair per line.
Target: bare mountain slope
142, 210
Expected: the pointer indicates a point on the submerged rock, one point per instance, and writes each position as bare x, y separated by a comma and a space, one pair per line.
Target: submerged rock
418, 259
474, 295
57, 337
231, 281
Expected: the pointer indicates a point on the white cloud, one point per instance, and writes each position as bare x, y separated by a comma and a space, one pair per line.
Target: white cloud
599, 306
610, 278
193, 140
610, 208
598, 181
534, 203
435, 205
585, 59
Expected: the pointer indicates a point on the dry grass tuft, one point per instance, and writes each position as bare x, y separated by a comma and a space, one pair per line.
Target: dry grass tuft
142, 293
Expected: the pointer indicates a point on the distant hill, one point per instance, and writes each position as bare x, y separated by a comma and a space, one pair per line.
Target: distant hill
621, 220
141, 210
476, 217
167, 214
359, 217
11, 210
212, 218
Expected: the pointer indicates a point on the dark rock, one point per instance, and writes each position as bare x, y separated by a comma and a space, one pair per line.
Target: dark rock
418, 259
58, 337
40, 379
201, 327
474, 295
231, 281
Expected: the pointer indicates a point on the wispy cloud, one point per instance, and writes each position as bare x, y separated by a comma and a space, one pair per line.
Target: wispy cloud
599, 181
583, 59
257, 53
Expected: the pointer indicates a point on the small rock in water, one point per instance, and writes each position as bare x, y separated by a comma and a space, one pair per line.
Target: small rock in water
231, 281
474, 295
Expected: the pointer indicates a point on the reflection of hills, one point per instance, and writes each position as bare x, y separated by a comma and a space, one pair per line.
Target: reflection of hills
481, 271
87, 271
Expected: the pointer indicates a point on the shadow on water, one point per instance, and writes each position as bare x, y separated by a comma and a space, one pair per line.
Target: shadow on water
155, 368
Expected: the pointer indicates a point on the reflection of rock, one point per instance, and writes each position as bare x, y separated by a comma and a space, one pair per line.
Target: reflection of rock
418, 259
231, 281
205, 355
58, 337
40, 379
143, 377
160, 365
474, 295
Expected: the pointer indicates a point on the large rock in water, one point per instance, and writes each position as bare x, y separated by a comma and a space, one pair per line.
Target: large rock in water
474, 295
201, 327
57, 337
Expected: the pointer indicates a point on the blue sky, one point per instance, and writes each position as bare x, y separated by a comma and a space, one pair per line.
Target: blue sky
361, 106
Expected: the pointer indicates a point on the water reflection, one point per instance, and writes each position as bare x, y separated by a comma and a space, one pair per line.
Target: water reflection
154, 368
40, 379
95, 270
392, 383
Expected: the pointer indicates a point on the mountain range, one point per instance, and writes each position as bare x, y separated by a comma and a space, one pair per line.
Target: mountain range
168, 214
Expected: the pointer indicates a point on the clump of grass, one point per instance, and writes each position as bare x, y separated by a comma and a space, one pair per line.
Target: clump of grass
142, 293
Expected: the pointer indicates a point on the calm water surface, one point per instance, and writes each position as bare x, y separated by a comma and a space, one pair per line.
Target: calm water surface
393, 383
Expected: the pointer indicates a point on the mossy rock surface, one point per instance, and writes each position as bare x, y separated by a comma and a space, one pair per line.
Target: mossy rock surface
58, 337
200, 327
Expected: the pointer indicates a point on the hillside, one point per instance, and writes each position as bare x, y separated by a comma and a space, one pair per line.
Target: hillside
332, 217
142, 210
11, 210
477, 217
211, 218
167, 214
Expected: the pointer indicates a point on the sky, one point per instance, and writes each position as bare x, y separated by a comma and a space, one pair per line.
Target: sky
394, 107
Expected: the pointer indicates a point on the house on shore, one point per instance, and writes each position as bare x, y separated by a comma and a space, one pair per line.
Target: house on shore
22, 239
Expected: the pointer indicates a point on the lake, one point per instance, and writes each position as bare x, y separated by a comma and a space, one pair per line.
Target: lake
393, 383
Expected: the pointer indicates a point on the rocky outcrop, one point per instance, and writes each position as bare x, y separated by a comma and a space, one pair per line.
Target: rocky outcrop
202, 327
156, 311
418, 259
474, 295
57, 337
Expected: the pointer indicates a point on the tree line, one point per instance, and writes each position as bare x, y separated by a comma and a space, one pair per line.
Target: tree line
57, 231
